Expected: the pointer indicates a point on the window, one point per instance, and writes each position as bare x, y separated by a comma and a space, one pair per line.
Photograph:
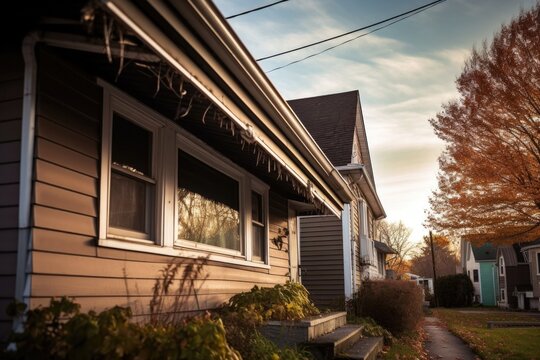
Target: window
475, 275
501, 266
538, 263
208, 204
503, 298
469, 273
164, 191
258, 227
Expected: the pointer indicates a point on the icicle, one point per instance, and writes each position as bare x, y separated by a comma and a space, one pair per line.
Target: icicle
204, 116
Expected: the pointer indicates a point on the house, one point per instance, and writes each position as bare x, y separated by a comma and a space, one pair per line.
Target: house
336, 254
515, 289
531, 254
481, 268
138, 134
425, 283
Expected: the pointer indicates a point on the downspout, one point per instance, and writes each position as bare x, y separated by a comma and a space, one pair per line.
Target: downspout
348, 255
24, 261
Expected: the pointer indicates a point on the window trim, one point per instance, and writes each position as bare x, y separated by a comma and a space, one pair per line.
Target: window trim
503, 295
538, 262
476, 275
112, 103
167, 134
501, 266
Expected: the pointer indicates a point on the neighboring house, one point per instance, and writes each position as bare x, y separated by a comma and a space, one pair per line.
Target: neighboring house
425, 283
175, 147
531, 252
337, 254
481, 268
514, 278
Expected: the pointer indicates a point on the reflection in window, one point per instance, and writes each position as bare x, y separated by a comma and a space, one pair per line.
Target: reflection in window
208, 204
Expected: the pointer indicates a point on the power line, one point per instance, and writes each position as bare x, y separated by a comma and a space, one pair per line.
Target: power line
350, 40
416, 10
256, 9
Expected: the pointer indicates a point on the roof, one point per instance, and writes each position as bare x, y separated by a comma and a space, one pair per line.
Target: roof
331, 121
512, 254
382, 247
484, 252
530, 244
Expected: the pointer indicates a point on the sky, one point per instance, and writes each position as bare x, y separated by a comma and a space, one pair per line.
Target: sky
404, 73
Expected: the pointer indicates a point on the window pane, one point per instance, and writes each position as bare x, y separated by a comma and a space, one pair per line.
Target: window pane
128, 203
256, 207
258, 242
208, 204
475, 275
131, 146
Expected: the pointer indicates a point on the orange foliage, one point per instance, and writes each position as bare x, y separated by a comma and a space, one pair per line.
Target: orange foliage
489, 178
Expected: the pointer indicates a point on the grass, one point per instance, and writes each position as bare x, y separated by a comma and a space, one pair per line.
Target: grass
500, 343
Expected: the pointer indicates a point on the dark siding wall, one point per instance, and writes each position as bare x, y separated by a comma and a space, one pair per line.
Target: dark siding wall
321, 256
66, 259
11, 94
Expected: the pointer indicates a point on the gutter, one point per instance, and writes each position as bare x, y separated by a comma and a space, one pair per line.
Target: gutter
24, 264
358, 173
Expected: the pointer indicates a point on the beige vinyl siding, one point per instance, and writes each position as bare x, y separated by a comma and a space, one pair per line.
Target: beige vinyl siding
321, 257
11, 94
65, 258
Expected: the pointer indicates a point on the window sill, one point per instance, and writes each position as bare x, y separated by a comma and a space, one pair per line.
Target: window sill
177, 252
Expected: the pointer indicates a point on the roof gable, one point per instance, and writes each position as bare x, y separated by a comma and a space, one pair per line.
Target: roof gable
484, 252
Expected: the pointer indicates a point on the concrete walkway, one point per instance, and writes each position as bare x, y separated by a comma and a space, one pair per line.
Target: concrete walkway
441, 344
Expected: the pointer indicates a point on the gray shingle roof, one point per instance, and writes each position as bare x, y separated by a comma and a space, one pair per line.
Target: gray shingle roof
330, 119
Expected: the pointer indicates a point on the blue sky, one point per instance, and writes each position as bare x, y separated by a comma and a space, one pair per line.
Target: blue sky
404, 73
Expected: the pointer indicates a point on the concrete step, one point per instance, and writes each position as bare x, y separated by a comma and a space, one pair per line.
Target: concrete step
287, 333
328, 346
365, 349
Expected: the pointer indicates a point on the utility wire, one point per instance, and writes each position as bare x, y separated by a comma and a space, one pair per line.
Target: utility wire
416, 10
354, 38
256, 9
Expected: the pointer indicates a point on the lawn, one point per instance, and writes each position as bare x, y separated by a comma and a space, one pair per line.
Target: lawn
500, 343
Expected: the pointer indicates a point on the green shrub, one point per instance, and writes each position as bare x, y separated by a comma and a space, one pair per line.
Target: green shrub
394, 304
60, 331
282, 302
454, 290
245, 312
263, 349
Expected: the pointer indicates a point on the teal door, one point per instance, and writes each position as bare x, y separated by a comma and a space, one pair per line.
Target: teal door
487, 283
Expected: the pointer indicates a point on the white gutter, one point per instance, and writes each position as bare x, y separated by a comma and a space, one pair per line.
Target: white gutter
24, 261
358, 168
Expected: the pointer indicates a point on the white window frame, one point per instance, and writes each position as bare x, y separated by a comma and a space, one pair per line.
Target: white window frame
503, 295
168, 138
538, 262
139, 116
501, 266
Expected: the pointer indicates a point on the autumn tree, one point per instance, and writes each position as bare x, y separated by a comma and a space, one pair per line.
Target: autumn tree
396, 235
445, 257
489, 178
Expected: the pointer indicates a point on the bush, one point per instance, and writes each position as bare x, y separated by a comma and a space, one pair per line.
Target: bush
261, 348
282, 302
394, 304
245, 312
371, 328
60, 331
454, 290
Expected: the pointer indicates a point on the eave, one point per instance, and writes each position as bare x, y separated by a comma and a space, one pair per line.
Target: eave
276, 127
